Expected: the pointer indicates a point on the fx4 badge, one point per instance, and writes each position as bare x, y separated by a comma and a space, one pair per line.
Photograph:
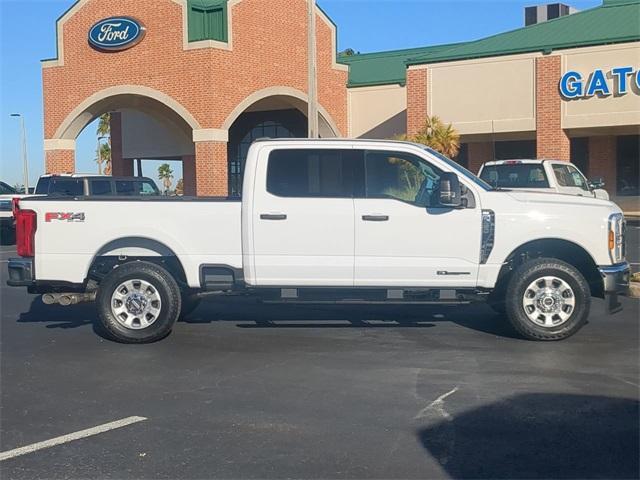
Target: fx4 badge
64, 217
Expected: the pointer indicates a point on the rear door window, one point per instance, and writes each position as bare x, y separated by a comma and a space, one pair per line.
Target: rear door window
100, 187
314, 173
517, 175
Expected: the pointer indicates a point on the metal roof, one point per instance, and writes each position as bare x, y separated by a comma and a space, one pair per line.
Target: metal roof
615, 21
382, 68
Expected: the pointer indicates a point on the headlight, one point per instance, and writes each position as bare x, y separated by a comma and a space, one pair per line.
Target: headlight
617, 227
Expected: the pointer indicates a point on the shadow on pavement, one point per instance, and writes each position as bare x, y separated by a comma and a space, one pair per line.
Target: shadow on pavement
257, 315
252, 315
540, 436
56, 316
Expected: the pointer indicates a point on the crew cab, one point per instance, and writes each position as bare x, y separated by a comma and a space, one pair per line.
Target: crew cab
341, 221
542, 175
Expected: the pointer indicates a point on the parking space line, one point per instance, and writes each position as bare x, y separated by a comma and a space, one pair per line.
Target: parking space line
16, 452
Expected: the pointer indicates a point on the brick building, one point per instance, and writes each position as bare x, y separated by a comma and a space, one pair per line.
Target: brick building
206, 77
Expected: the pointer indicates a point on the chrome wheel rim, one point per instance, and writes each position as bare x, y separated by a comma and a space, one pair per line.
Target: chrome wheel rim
549, 301
136, 304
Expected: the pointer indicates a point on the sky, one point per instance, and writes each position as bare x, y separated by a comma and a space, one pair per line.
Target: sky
27, 35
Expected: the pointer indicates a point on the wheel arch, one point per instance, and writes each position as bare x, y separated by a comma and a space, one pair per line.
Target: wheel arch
123, 250
561, 249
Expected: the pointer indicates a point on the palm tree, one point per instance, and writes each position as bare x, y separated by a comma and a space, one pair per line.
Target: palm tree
104, 156
104, 131
180, 187
166, 175
437, 135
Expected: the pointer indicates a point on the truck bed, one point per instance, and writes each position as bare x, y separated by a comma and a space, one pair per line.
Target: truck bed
72, 231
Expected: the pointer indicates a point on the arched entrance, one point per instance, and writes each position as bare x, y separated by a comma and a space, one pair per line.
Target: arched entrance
271, 113
145, 125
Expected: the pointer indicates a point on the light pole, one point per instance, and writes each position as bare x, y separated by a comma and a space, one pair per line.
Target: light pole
312, 108
99, 156
25, 161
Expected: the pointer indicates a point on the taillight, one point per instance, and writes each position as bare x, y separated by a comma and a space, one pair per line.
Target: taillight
25, 232
15, 205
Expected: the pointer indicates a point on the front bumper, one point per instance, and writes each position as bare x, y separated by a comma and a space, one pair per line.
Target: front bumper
615, 280
20, 272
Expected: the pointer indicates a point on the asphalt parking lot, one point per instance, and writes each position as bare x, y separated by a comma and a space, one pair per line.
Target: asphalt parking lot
250, 391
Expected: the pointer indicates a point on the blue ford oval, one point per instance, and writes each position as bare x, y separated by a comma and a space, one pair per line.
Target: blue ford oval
116, 33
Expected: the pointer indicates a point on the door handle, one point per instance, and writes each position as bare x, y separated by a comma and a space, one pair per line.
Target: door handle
273, 216
375, 218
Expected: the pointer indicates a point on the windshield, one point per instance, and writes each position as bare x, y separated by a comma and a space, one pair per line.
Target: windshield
6, 189
515, 175
460, 169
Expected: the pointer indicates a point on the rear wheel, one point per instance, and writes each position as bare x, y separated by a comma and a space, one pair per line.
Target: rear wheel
138, 302
547, 299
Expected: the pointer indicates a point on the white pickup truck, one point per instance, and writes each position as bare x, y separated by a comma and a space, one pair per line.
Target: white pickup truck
553, 176
341, 221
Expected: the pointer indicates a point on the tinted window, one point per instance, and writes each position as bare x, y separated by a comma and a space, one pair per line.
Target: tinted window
402, 177
126, 187
521, 175
6, 189
67, 186
100, 187
313, 173
569, 176
42, 188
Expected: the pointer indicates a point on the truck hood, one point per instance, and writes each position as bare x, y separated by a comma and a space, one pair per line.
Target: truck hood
548, 198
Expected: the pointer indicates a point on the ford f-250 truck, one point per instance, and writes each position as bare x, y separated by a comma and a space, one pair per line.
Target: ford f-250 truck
341, 221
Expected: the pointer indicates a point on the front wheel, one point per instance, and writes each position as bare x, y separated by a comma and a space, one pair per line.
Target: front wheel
138, 302
547, 299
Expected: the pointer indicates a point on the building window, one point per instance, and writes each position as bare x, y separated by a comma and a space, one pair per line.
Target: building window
463, 155
515, 150
628, 166
208, 20
580, 154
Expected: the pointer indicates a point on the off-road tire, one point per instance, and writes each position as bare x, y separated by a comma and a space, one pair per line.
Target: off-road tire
161, 280
527, 273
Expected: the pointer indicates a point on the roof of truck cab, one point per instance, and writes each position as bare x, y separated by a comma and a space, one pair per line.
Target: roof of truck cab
517, 161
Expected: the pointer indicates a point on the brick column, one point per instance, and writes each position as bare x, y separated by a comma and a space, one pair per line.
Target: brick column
189, 174
120, 166
211, 169
61, 161
602, 161
416, 99
479, 153
60, 155
552, 141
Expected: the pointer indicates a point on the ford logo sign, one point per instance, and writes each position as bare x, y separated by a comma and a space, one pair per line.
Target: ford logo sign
116, 33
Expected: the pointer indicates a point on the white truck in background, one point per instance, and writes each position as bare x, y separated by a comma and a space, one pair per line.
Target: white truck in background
346, 221
7, 222
553, 176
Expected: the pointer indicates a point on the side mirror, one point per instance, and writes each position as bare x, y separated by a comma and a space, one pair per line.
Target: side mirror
449, 192
601, 194
596, 183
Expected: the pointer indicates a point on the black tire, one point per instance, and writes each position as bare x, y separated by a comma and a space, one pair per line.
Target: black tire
163, 285
524, 276
189, 303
